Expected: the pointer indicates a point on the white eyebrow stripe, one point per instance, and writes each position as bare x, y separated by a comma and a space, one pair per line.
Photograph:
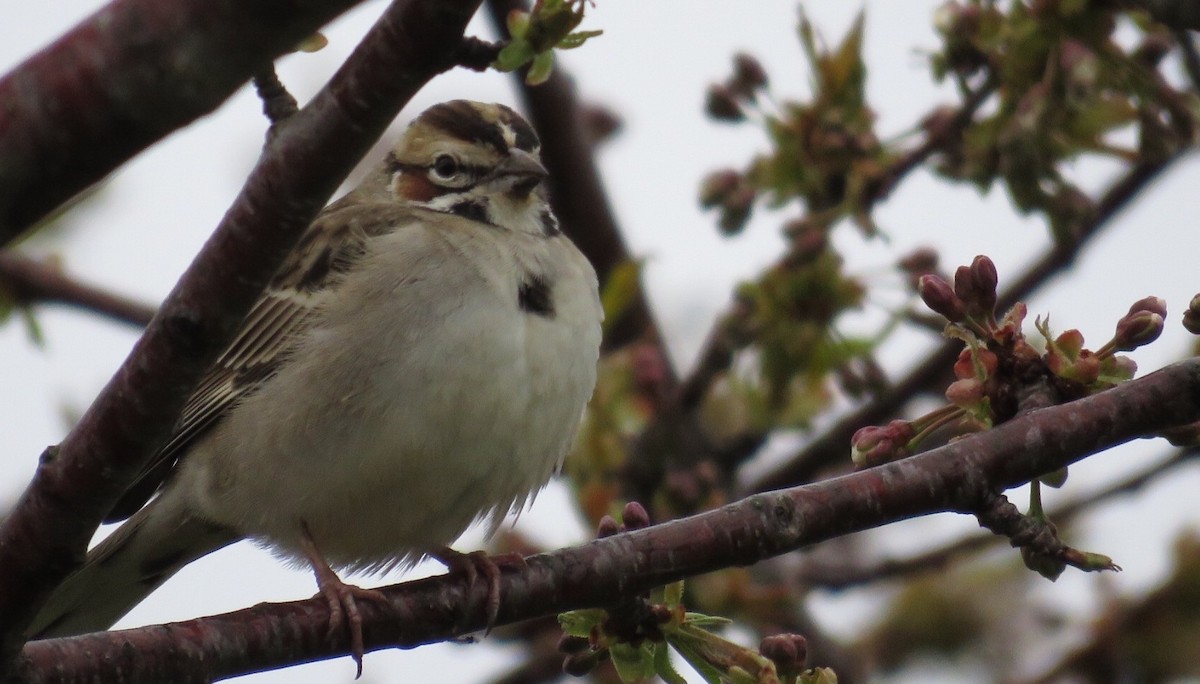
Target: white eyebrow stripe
510, 136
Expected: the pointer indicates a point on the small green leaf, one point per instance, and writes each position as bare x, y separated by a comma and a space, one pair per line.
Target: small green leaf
32, 327
518, 23
540, 68
663, 667
673, 594
581, 622
705, 621
574, 40
513, 56
633, 663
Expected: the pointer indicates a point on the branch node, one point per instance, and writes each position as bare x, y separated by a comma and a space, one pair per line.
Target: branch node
477, 54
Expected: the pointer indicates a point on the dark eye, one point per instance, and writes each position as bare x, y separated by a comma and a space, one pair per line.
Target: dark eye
445, 166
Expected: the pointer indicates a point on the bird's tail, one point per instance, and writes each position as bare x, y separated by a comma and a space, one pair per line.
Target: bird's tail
127, 566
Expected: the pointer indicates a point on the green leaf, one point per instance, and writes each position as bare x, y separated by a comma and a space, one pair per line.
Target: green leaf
633, 663
32, 327
581, 622
663, 667
673, 594
574, 40
540, 68
513, 56
705, 621
686, 646
518, 23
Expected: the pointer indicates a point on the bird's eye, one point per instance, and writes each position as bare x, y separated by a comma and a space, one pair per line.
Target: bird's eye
445, 166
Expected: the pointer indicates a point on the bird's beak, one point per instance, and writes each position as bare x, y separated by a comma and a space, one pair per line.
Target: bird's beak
526, 167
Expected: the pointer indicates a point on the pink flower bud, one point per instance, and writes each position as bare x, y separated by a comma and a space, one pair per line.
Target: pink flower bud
1137, 329
1152, 304
938, 296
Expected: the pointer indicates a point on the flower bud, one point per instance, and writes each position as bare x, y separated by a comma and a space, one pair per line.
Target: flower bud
717, 186
634, 516
736, 210
1137, 329
748, 76
966, 393
789, 652
938, 296
985, 278
607, 527
569, 643
1152, 304
580, 664
1191, 317
721, 104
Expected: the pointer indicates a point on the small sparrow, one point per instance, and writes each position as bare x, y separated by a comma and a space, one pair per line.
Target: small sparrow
421, 360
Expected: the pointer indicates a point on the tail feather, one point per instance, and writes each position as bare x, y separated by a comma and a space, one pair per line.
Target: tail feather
126, 567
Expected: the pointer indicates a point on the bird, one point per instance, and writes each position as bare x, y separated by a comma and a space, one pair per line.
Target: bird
421, 360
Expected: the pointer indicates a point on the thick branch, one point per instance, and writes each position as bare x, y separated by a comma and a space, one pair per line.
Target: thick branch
954, 477
34, 282
124, 78
77, 483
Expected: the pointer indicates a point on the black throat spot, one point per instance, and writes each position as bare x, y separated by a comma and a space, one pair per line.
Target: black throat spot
471, 209
534, 296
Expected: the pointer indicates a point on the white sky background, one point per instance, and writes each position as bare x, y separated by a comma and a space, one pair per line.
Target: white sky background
652, 67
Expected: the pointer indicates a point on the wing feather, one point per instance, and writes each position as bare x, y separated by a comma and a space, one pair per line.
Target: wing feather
281, 315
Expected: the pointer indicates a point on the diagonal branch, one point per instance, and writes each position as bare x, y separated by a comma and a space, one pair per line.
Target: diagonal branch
32, 282
124, 78
77, 482
955, 477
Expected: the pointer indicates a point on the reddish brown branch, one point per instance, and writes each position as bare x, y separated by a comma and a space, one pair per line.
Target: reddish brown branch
77, 483
956, 477
34, 282
124, 78
833, 446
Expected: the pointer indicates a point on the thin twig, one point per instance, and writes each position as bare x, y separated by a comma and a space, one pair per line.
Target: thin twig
35, 282
844, 577
278, 103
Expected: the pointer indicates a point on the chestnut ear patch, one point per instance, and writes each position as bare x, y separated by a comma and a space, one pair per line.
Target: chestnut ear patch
415, 186
534, 296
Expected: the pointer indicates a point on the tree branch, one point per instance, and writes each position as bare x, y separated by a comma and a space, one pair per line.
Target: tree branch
955, 477
76, 483
124, 78
35, 282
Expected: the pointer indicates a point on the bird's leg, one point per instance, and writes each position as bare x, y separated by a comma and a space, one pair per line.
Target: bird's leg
343, 608
474, 564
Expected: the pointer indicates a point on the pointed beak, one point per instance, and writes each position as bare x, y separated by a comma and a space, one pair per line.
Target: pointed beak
528, 171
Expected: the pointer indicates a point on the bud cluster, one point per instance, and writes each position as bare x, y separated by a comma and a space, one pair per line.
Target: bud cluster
997, 362
727, 101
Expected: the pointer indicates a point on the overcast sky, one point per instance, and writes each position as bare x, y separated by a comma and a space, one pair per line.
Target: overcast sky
652, 67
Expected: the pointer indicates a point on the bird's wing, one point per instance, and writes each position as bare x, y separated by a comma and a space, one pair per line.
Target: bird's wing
336, 239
